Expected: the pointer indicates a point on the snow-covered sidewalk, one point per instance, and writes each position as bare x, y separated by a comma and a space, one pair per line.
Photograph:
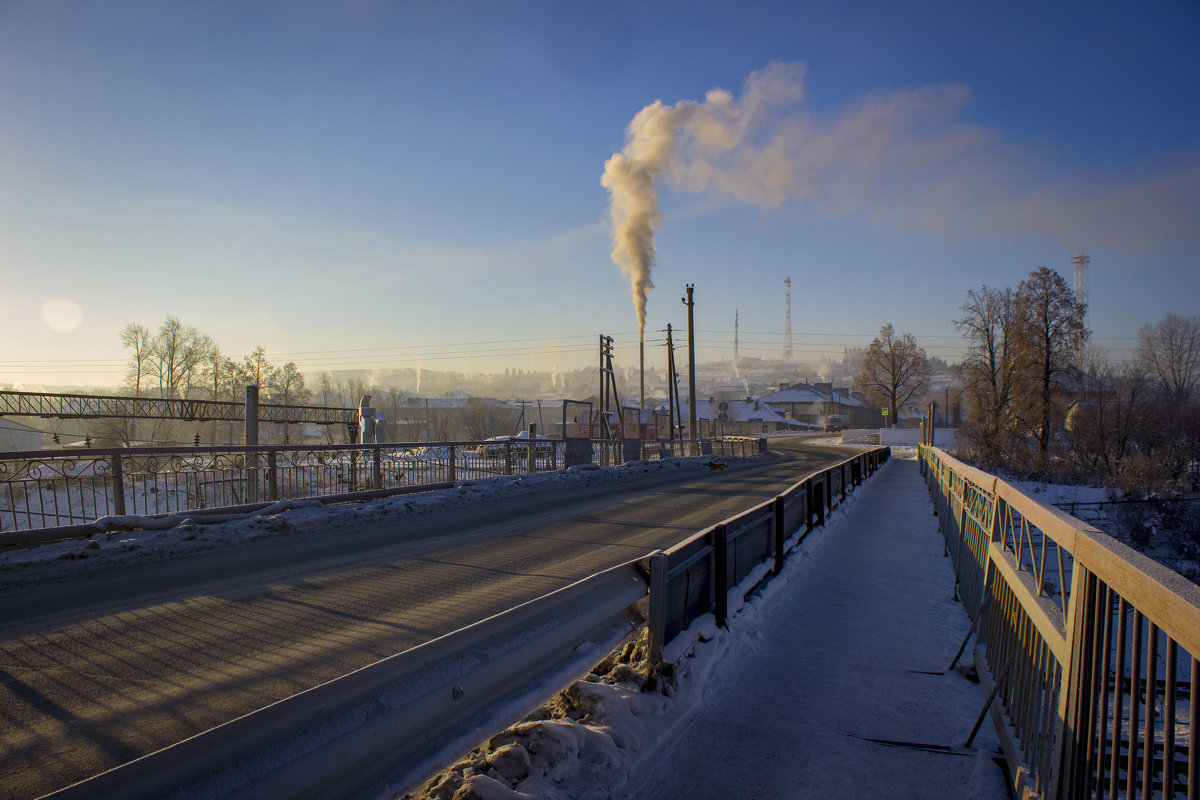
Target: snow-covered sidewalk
840, 652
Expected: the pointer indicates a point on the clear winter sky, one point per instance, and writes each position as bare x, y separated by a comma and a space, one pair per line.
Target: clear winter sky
385, 184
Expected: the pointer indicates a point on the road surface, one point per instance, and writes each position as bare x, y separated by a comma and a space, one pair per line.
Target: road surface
103, 669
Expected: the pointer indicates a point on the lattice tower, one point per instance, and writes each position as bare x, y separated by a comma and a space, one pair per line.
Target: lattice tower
1081, 263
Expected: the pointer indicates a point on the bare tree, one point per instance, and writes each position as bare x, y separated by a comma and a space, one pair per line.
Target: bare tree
176, 356
480, 418
438, 420
138, 339
258, 370
895, 370
1170, 352
287, 388
990, 370
1052, 331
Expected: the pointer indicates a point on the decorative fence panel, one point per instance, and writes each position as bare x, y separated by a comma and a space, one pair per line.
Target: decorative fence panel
47, 489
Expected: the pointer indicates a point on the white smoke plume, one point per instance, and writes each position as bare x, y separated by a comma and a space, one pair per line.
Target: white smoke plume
904, 158
681, 142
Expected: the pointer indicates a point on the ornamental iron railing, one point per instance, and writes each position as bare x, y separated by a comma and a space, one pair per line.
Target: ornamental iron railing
56, 488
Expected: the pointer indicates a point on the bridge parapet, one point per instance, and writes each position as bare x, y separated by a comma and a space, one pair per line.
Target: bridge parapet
1090, 648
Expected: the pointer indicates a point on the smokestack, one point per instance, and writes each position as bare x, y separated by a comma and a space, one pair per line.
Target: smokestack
642, 371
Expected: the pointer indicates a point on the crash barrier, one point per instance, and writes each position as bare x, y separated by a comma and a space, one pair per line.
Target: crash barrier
1088, 647
403, 713
41, 491
695, 577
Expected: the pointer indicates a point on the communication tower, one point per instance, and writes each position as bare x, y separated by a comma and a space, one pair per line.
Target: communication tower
787, 319
1081, 262
735, 336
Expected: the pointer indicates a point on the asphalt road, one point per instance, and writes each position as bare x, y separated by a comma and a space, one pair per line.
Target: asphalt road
118, 664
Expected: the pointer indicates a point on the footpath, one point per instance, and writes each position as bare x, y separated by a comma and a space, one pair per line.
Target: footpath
850, 652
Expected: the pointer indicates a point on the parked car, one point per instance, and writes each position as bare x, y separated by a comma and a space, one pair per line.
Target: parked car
496, 446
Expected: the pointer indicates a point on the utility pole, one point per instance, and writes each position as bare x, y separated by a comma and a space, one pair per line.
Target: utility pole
672, 385
608, 389
690, 303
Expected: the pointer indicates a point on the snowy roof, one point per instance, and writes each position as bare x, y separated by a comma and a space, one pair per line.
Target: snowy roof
797, 393
735, 411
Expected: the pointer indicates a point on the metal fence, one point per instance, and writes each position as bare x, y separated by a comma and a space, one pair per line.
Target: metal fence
54, 488
1090, 647
694, 577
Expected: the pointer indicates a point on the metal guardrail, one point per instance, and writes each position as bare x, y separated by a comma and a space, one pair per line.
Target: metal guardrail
694, 577
1090, 646
48, 489
340, 737
343, 735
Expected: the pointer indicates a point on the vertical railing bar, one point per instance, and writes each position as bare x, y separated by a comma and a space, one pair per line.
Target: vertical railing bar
1194, 731
1151, 691
1172, 658
1097, 686
1118, 700
1135, 664
1105, 673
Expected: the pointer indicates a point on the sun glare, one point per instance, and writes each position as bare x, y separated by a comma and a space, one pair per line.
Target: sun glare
62, 314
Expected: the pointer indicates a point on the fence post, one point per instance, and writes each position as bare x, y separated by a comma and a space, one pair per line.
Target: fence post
842, 470
532, 448
808, 506
828, 492
353, 469
657, 623
779, 533
819, 490
118, 486
721, 575
251, 441
508, 456
377, 467
453, 467
272, 476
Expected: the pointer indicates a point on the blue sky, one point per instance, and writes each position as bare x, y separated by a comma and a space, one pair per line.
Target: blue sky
392, 183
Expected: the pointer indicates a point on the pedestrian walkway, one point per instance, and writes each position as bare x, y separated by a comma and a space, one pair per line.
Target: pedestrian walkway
853, 647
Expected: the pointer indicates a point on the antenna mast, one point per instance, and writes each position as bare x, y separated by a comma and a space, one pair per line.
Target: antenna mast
735, 336
787, 319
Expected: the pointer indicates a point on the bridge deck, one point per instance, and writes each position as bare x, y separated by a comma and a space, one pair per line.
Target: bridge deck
838, 657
